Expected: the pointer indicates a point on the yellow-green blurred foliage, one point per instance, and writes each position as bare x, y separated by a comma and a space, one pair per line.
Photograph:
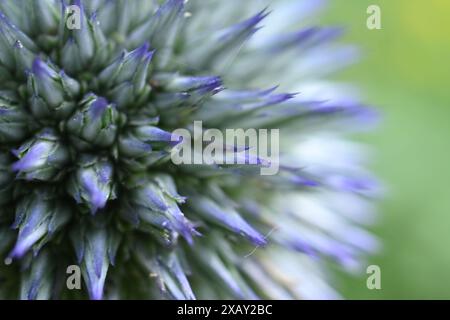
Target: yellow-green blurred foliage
405, 71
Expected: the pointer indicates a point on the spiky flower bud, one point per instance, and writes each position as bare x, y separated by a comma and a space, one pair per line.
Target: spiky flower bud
94, 104
38, 217
41, 158
50, 90
14, 121
154, 201
92, 183
95, 124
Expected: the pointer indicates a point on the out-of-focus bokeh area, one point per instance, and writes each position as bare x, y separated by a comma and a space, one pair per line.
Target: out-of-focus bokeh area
406, 73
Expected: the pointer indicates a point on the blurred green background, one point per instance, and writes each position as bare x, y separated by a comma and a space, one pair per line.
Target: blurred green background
406, 73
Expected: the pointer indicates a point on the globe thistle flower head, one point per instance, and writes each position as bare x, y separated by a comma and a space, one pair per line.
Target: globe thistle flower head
92, 95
